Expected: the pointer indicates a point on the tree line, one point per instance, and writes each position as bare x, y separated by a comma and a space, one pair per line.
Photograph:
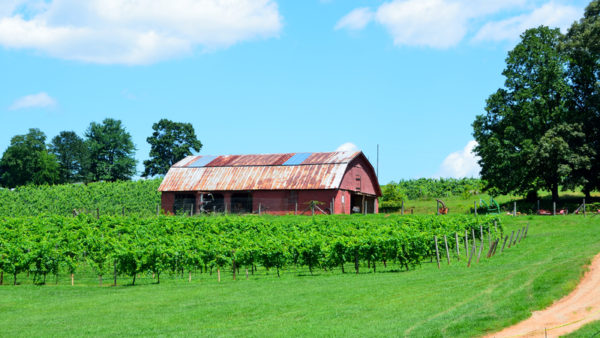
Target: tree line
105, 153
542, 129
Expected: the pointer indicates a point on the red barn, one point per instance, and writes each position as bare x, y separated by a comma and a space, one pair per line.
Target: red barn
302, 183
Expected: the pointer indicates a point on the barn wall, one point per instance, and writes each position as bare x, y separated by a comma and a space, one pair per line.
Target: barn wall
167, 200
358, 168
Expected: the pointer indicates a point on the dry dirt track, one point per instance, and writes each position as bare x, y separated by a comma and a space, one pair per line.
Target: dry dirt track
577, 309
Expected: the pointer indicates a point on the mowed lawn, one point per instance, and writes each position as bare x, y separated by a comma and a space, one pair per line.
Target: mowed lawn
452, 301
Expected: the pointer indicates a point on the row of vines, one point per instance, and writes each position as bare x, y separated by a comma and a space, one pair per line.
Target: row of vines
138, 198
127, 246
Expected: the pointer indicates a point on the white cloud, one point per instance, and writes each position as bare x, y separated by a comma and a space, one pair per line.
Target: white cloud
40, 100
431, 23
550, 14
348, 146
355, 20
445, 23
136, 31
461, 163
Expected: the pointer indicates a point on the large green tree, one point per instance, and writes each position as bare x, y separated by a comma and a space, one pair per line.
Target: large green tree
527, 139
71, 152
111, 151
27, 161
169, 143
582, 45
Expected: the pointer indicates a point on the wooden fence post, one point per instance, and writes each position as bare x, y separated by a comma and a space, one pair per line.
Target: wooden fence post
522, 233
437, 253
526, 230
511, 238
457, 247
495, 246
489, 236
481, 243
503, 245
296, 209
466, 244
158, 210
553, 208
447, 251
471, 255
515, 242
514, 208
259, 209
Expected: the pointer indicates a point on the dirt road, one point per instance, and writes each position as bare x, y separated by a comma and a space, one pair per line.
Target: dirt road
566, 315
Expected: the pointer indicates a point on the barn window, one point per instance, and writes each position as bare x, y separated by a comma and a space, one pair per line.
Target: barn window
358, 182
241, 203
184, 203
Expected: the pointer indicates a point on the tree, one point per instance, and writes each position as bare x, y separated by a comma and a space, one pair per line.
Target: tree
110, 151
71, 152
582, 45
27, 161
169, 143
527, 139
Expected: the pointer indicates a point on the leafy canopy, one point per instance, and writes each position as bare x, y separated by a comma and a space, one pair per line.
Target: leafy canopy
169, 143
111, 151
27, 161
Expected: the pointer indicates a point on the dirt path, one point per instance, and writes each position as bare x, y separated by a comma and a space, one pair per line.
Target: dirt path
566, 315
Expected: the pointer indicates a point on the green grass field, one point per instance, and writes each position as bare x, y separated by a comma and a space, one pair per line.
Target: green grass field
587, 331
453, 301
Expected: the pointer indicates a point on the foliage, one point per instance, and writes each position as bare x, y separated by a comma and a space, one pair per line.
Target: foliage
110, 198
582, 45
27, 161
111, 151
44, 245
527, 140
427, 188
71, 153
169, 143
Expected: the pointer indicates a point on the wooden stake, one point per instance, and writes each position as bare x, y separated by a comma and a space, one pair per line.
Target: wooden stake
219, 274
522, 233
516, 237
447, 251
189, 276
246, 273
158, 210
437, 253
526, 230
480, 248
515, 209
511, 238
553, 208
495, 226
475, 207
489, 237
402, 212
495, 246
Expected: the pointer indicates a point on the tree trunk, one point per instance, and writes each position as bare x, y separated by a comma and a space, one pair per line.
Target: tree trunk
356, 262
72, 279
100, 280
555, 193
15, 278
343, 267
1, 277
134, 275
158, 278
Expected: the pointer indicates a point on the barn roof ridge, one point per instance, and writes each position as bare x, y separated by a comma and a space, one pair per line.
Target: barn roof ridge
267, 160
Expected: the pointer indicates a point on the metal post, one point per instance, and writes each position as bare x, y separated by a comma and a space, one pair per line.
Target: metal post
538, 207
296, 209
158, 210
584, 213
553, 208
514, 208
333, 205
259, 208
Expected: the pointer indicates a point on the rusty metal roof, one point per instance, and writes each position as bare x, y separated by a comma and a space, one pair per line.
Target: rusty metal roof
258, 172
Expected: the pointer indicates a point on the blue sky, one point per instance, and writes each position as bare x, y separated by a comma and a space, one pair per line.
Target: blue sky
266, 76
